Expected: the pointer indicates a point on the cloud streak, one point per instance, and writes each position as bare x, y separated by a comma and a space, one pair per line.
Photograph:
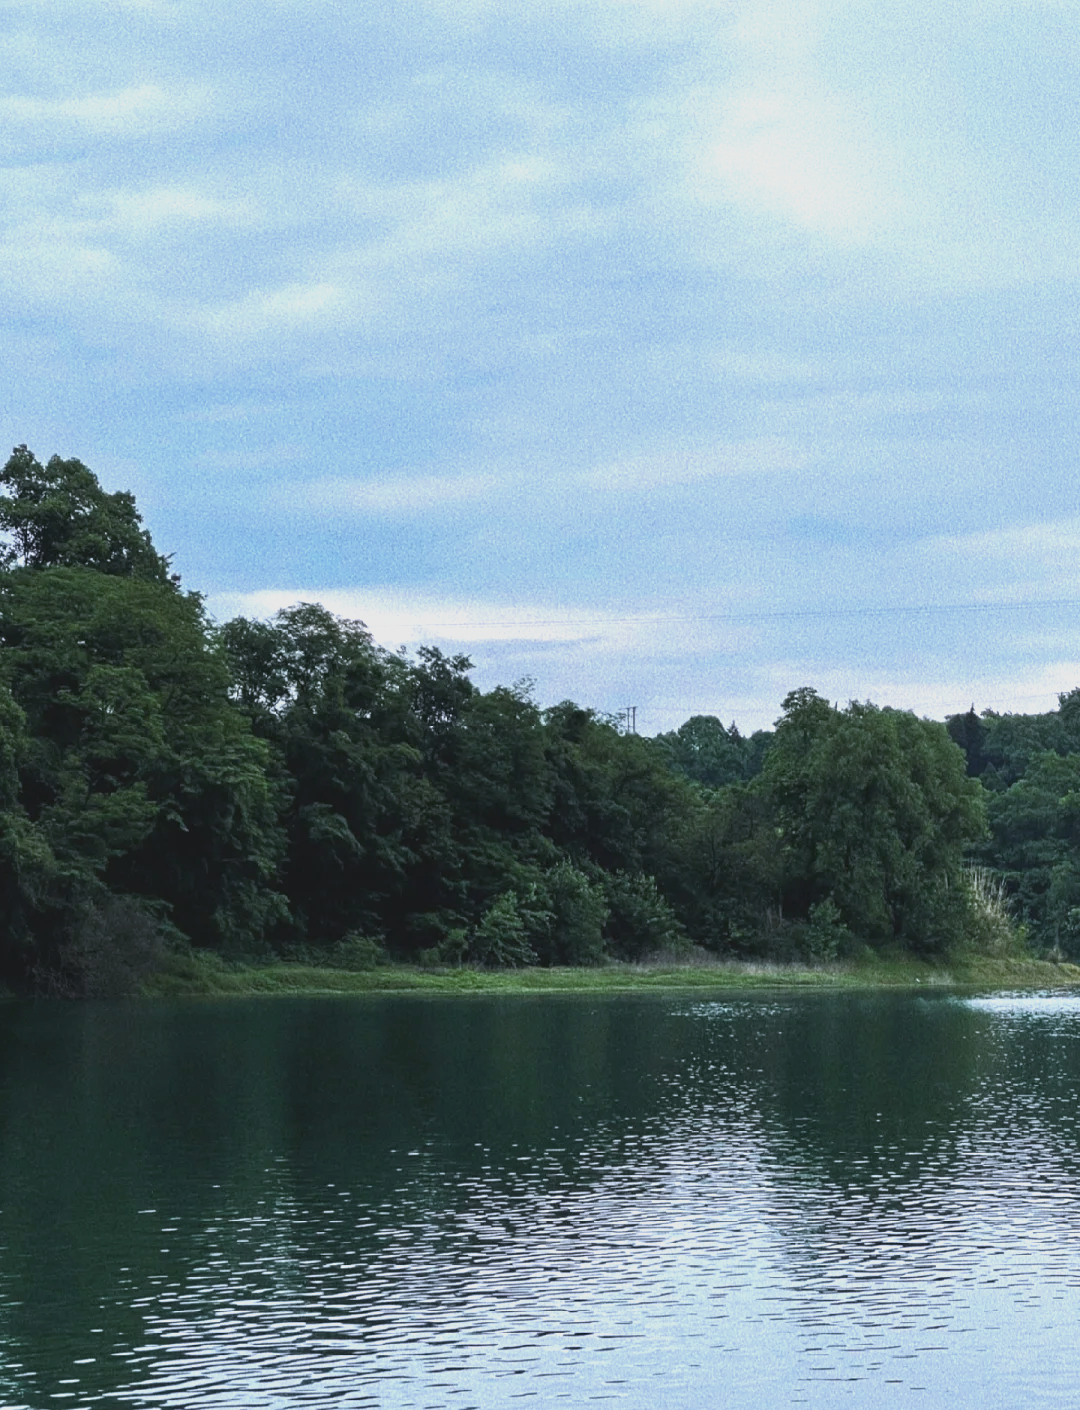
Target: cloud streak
618, 305
141, 111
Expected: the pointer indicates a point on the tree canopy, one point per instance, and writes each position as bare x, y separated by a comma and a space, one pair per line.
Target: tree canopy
873, 809
289, 788
57, 515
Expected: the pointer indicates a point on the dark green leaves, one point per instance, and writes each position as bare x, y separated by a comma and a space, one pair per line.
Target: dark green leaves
873, 809
59, 516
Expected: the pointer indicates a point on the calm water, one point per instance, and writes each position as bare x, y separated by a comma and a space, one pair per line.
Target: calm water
662, 1201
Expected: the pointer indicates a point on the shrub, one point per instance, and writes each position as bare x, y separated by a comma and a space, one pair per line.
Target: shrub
640, 921
500, 938
455, 949
990, 929
826, 936
578, 912
356, 952
111, 947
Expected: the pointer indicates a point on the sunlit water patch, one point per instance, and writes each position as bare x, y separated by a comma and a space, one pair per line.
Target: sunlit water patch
830, 1200
1024, 1005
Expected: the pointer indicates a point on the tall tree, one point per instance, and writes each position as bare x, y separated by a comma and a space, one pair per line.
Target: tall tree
706, 752
137, 775
872, 808
1035, 846
57, 515
333, 706
969, 732
140, 772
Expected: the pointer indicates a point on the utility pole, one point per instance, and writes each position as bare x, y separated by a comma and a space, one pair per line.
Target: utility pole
628, 715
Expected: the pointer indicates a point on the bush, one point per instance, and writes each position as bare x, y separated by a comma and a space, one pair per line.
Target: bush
579, 912
356, 952
500, 939
990, 927
455, 949
826, 936
111, 947
640, 922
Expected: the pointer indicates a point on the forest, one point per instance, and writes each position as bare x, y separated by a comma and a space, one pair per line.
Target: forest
290, 789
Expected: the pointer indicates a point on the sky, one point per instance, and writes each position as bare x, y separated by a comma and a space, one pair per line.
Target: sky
668, 353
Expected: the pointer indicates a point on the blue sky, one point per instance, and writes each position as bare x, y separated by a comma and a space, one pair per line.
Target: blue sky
647, 348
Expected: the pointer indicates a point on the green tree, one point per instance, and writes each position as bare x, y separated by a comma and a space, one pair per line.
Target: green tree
579, 911
138, 773
872, 808
501, 938
826, 934
1035, 847
1012, 743
969, 732
640, 920
615, 801
729, 872
30, 885
57, 515
703, 750
313, 686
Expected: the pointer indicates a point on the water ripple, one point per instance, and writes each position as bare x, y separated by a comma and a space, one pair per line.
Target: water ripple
741, 1203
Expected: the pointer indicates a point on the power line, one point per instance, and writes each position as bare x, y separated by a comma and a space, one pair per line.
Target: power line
657, 708
793, 614
664, 707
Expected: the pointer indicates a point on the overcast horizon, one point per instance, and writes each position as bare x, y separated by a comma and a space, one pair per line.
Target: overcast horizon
669, 354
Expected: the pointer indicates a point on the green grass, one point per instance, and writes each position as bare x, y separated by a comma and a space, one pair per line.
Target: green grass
207, 974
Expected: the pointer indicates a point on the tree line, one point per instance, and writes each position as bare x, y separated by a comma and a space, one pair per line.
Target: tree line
289, 788
1029, 769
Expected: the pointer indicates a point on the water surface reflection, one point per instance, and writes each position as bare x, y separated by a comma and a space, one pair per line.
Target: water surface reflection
831, 1199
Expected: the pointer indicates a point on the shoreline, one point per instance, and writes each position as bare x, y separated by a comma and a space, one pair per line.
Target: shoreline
207, 976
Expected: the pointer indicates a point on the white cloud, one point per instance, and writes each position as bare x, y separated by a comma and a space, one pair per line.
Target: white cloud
754, 367
758, 128
226, 462
392, 494
161, 9
764, 456
165, 207
385, 256
60, 271
796, 155
1052, 540
516, 200
128, 112
413, 618
1025, 563
231, 412
946, 693
603, 658
606, 320
291, 306
536, 479
401, 616
821, 129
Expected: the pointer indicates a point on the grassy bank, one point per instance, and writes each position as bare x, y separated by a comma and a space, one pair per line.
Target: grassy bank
207, 974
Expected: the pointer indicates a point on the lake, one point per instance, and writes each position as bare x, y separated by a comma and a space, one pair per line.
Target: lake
663, 1201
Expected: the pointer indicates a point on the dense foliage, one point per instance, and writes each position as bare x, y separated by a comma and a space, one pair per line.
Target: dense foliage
1029, 766
290, 788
